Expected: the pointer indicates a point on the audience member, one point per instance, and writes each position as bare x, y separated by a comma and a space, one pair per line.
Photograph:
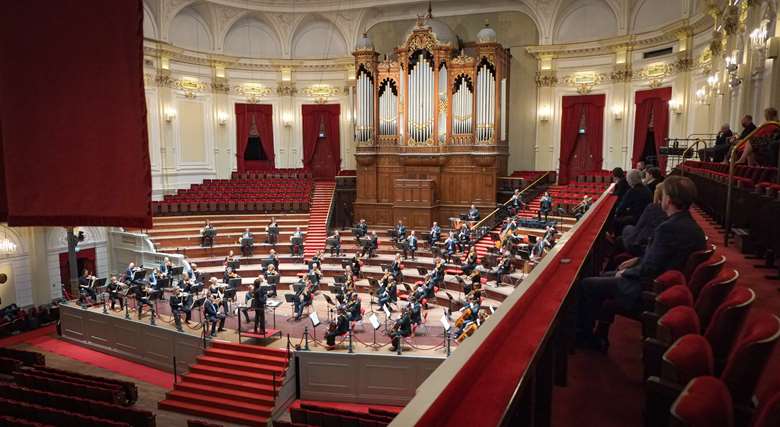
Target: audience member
633, 202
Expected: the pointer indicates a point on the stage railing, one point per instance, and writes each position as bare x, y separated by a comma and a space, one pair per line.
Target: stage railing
489, 222
505, 372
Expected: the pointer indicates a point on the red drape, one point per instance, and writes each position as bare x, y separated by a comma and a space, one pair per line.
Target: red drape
263, 115
573, 108
313, 115
73, 113
657, 101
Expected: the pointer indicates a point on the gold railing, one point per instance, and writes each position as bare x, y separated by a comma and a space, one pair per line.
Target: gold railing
492, 215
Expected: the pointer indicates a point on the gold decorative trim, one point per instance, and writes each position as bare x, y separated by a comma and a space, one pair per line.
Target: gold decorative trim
254, 92
546, 78
584, 81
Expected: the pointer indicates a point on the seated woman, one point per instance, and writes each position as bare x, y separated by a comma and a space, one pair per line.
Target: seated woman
761, 146
635, 238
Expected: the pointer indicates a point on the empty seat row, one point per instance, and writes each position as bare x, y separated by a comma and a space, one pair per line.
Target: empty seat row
51, 416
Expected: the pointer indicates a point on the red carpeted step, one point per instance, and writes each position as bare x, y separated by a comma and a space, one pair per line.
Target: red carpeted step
240, 365
226, 393
235, 384
316, 232
246, 348
213, 412
232, 373
227, 354
219, 402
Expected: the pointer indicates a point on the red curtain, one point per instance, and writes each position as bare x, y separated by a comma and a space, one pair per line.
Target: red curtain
73, 113
573, 108
657, 101
313, 115
263, 116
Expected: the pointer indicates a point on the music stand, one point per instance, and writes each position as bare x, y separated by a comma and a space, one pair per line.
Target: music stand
273, 280
140, 275
235, 265
298, 287
341, 279
176, 271
532, 239
197, 304
266, 262
163, 283
422, 271
289, 298
234, 283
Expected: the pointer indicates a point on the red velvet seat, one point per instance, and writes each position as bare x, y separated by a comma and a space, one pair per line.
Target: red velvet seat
751, 353
704, 273
705, 402
676, 322
689, 357
727, 321
695, 259
768, 414
668, 279
673, 297
713, 294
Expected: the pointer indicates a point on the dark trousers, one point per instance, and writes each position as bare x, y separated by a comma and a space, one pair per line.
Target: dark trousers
541, 212
260, 318
296, 250
114, 298
595, 291
408, 250
206, 241
396, 340
141, 303
177, 318
336, 250
246, 250
213, 321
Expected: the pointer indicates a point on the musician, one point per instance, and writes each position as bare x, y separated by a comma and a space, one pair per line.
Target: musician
437, 275
540, 248
130, 273
165, 268
411, 244
550, 232
361, 228
230, 274
258, 303
469, 315
87, 284
154, 277
273, 259
315, 276
335, 243
516, 203
196, 275
402, 328
545, 206
296, 242
450, 247
272, 232
583, 207
415, 311
353, 308
303, 298
212, 314
143, 296
247, 242
400, 231
504, 267
474, 284
354, 265
337, 328
315, 262
270, 273
471, 261
207, 235
371, 246
114, 289
215, 290
177, 304
388, 291
395, 267
473, 214
435, 234
469, 327
511, 225
464, 238
248, 297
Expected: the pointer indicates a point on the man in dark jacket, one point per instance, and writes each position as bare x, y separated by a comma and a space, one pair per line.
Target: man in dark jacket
672, 243
621, 186
633, 202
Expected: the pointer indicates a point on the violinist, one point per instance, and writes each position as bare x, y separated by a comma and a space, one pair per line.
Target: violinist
165, 268
450, 247
229, 274
130, 273
415, 311
337, 328
247, 242
471, 261
371, 246
355, 265
516, 203
504, 267
272, 232
353, 308
315, 262
474, 284
87, 284
270, 274
177, 304
186, 283
211, 311
402, 328
388, 292
335, 243
435, 234
215, 290
207, 235
273, 259
411, 244
303, 298
395, 267
143, 295
464, 238
114, 288
437, 275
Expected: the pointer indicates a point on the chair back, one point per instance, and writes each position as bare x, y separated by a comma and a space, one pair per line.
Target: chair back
768, 413
705, 402
676, 322
704, 273
727, 322
689, 357
751, 353
713, 294
695, 259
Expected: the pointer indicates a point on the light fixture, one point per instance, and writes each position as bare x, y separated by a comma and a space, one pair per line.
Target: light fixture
7, 247
731, 63
222, 118
758, 37
287, 119
712, 80
169, 114
675, 106
702, 96
617, 112
544, 113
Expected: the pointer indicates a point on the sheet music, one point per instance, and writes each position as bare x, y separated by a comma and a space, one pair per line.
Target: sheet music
374, 321
387, 311
444, 322
273, 303
315, 320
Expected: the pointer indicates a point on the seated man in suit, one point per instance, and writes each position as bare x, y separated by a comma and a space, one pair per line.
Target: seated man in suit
177, 304
473, 213
402, 328
302, 300
272, 232
411, 244
372, 246
86, 285
212, 314
361, 228
296, 242
207, 235
400, 231
450, 247
335, 243
353, 308
165, 268
195, 274
247, 242
114, 295
633, 202
387, 293
464, 238
354, 265
672, 243
435, 234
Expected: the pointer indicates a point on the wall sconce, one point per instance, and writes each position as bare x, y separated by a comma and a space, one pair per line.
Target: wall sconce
287, 119
169, 114
675, 106
617, 112
731, 63
758, 37
702, 96
222, 118
712, 80
545, 113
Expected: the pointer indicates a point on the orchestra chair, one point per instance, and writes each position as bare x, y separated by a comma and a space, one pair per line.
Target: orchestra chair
705, 402
423, 324
768, 413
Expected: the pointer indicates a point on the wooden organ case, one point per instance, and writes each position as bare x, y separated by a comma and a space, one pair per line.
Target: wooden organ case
430, 127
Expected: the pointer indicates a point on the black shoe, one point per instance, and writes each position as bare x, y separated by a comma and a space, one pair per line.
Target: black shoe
179, 329
221, 330
213, 334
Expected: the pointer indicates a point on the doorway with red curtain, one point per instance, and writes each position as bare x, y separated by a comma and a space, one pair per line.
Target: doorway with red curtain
254, 137
651, 125
85, 258
582, 131
321, 140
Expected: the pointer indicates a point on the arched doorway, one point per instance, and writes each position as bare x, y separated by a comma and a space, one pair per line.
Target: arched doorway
321, 146
254, 137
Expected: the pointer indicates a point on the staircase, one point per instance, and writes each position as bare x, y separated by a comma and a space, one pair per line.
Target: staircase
317, 231
486, 242
230, 382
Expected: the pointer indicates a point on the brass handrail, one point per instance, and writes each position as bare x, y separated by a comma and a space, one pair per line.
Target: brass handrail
482, 222
687, 150
729, 189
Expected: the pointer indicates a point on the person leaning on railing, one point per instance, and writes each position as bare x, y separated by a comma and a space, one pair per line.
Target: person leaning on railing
672, 242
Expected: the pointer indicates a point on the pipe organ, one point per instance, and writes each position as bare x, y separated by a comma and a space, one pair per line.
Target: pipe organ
431, 132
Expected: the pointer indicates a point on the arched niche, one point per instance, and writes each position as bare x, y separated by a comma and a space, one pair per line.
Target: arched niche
317, 39
189, 30
251, 37
650, 15
586, 20
150, 25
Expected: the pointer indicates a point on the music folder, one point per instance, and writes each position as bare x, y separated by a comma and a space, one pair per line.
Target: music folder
387, 311
444, 322
176, 271
273, 303
374, 321
315, 320
289, 297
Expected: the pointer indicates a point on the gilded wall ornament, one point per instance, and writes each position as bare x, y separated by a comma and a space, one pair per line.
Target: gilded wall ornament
546, 78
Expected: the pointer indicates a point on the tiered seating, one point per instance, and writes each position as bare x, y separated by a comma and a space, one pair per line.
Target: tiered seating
75, 384
570, 195
744, 176
318, 415
273, 173
244, 193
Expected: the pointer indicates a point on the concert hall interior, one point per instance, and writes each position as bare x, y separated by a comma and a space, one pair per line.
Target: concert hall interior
390, 212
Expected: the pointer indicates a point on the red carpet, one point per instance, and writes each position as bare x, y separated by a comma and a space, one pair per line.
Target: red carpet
354, 407
230, 382
317, 231
607, 391
27, 336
